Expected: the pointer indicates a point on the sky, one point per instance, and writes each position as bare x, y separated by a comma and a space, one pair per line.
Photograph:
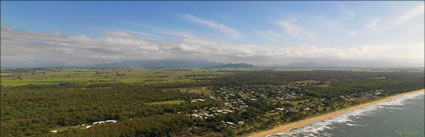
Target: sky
278, 33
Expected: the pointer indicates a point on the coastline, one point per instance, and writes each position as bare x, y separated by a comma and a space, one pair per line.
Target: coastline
289, 126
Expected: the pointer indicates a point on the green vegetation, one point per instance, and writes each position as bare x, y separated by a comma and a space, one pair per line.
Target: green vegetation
20, 77
405, 133
171, 102
182, 102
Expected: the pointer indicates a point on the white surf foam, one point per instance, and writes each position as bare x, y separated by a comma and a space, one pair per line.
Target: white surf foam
312, 130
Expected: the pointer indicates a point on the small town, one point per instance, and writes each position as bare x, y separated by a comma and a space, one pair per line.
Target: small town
289, 97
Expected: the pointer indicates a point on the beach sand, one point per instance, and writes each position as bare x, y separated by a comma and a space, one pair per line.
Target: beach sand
286, 127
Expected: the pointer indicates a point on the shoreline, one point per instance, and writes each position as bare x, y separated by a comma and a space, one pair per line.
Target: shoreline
289, 126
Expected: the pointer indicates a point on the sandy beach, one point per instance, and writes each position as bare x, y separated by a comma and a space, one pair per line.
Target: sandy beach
286, 127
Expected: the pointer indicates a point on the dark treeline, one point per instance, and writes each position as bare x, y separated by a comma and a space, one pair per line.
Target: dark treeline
259, 77
151, 126
32, 111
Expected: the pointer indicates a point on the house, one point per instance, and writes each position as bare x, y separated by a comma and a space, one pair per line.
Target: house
98, 122
196, 115
230, 123
196, 100
111, 121
280, 109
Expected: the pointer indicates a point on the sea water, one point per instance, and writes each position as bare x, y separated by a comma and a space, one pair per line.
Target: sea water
401, 117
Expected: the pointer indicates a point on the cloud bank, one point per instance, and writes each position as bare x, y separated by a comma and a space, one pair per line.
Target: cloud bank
376, 41
23, 48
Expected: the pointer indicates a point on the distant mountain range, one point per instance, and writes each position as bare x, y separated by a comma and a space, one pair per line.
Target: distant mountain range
239, 65
171, 64
181, 63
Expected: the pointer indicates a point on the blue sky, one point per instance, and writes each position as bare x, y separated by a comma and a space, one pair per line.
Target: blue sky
261, 33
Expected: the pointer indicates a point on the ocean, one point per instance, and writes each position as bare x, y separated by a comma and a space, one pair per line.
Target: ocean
401, 117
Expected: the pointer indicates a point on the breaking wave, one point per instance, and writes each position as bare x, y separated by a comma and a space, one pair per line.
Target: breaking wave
347, 118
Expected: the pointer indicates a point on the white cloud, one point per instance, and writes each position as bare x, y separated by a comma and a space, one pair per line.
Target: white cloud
145, 35
23, 46
31, 48
296, 31
372, 25
220, 27
411, 14
118, 33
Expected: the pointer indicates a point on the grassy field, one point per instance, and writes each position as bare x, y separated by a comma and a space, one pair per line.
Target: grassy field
105, 76
146, 76
170, 102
